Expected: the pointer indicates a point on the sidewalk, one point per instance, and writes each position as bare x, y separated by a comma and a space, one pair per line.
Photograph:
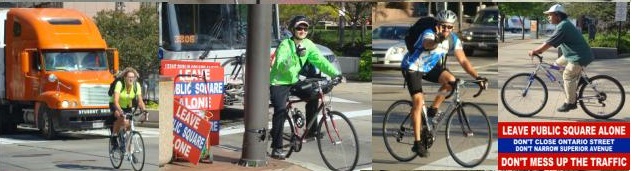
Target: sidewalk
226, 160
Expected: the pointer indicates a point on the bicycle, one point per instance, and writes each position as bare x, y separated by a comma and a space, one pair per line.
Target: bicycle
467, 124
335, 131
135, 151
600, 91
235, 80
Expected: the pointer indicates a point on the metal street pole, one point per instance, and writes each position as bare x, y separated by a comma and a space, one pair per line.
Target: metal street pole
256, 86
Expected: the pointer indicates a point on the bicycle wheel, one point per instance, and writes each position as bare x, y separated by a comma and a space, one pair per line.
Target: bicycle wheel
116, 155
339, 143
523, 95
137, 150
603, 98
468, 135
398, 132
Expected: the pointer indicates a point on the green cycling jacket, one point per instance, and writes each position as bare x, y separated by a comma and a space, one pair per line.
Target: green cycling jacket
287, 65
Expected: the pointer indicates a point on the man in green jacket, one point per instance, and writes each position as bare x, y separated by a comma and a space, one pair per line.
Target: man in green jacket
576, 53
290, 57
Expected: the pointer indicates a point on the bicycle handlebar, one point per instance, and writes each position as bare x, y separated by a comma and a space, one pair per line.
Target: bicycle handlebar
459, 82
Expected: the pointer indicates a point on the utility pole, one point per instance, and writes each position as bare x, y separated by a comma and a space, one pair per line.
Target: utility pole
257, 81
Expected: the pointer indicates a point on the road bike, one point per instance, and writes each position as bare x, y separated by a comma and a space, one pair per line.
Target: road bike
234, 88
467, 126
131, 145
336, 137
526, 94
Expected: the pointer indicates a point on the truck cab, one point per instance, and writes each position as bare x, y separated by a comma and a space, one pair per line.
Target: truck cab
483, 33
57, 71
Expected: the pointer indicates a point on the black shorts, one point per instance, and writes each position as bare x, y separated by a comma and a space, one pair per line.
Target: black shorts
110, 120
413, 78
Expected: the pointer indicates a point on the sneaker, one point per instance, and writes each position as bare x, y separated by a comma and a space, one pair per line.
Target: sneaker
567, 107
432, 112
420, 149
278, 154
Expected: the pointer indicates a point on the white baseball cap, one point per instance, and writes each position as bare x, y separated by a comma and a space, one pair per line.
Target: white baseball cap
556, 8
301, 22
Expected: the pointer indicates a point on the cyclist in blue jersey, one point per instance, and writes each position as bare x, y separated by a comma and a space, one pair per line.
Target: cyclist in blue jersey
426, 62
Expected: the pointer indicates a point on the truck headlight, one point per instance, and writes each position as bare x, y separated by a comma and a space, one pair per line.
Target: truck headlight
65, 104
467, 35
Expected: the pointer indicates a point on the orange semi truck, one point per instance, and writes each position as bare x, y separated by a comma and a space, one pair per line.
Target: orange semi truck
56, 71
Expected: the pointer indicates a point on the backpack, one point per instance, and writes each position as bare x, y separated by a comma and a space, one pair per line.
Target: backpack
415, 31
113, 84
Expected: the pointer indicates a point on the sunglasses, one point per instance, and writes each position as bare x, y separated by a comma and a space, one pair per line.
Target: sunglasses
301, 29
447, 26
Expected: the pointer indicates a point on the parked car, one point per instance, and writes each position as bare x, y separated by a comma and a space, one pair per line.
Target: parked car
483, 34
388, 43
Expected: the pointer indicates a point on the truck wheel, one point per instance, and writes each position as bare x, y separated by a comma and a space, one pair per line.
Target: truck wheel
468, 51
46, 125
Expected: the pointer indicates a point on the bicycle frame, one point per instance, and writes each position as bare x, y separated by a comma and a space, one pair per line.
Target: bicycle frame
456, 102
548, 68
323, 108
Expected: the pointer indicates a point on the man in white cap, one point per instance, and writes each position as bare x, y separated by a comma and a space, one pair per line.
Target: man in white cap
576, 53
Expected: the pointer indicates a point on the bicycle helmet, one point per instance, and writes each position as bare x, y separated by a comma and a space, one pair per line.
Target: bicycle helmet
298, 20
446, 16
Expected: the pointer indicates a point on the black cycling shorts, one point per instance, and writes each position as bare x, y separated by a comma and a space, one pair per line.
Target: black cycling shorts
110, 120
413, 78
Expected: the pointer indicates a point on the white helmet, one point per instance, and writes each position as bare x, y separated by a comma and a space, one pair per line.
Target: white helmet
556, 8
446, 16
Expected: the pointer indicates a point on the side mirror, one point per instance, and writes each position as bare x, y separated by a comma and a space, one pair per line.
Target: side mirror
469, 21
52, 78
25, 61
114, 61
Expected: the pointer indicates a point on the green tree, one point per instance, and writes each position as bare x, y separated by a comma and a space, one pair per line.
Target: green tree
135, 35
604, 12
314, 12
523, 9
356, 13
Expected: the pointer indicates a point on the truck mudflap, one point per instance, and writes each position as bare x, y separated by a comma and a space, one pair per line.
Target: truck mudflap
82, 119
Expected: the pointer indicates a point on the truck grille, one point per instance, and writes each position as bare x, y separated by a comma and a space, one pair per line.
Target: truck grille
94, 95
484, 37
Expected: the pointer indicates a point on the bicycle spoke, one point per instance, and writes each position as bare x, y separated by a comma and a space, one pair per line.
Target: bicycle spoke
397, 130
468, 135
523, 89
137, 151
602, 98
339, 146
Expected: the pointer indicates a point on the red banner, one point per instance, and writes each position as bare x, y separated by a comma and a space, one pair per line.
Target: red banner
198, 94
563, 130
190, 132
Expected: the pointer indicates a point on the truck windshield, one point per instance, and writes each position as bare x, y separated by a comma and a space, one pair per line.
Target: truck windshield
194, 27
75, 61
486, 17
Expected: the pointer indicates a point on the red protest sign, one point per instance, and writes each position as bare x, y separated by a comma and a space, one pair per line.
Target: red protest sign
190, 132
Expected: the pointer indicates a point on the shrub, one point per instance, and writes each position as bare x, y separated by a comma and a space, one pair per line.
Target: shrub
609, 39
365, 73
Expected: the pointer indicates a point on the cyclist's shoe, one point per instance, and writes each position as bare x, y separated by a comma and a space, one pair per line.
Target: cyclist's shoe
278, 154
567, 107
432, 112
420, 149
